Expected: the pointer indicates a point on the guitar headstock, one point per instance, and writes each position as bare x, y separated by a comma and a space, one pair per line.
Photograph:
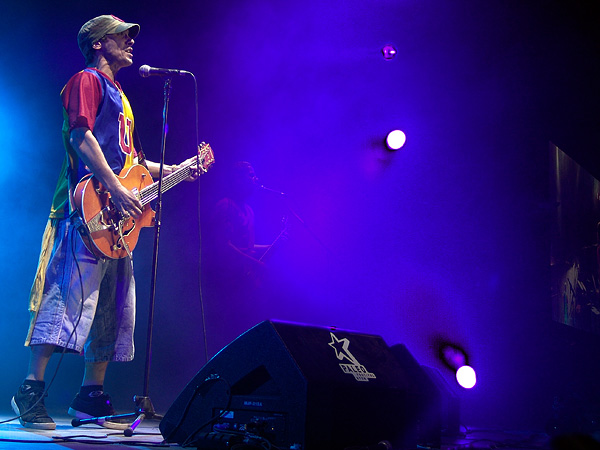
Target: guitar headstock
206, 156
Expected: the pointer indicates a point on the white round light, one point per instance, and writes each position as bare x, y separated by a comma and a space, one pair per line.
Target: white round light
466, 377
395, 139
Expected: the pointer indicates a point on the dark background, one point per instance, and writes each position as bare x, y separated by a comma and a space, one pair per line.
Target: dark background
448, 237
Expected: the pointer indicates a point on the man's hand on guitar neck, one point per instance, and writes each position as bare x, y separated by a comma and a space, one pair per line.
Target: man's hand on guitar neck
204, 159
193, 163
168, 169
200, 163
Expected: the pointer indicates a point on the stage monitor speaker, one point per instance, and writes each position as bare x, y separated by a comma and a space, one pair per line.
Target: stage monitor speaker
304, 387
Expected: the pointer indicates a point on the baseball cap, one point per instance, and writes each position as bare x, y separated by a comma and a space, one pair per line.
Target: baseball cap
98, 27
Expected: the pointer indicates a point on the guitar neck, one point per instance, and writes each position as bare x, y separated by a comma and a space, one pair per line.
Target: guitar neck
150, 193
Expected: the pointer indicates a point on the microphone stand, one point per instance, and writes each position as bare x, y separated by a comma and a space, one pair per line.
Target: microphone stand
144, 407
288, 207
307, 228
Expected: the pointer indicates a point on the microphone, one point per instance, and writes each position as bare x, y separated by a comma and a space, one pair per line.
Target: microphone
259, 185
274, 191
99, 420
146, 71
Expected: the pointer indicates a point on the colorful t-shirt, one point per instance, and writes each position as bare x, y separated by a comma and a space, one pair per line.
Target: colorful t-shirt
91, 100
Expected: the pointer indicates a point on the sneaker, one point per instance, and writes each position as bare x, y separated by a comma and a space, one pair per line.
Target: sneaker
28, 403
98, 405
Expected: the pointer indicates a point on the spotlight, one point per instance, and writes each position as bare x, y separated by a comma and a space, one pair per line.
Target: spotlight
395, 139
389, 52
466, 377
455, 358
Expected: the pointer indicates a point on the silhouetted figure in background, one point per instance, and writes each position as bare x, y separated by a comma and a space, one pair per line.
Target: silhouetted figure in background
233, 268
235, 252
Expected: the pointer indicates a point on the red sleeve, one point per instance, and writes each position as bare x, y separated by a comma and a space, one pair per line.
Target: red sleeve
81, 99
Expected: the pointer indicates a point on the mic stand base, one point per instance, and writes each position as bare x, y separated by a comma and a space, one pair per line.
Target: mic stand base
145, 410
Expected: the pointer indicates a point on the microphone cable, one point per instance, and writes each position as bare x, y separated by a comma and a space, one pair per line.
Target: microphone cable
144, 72
72, 232
199, 213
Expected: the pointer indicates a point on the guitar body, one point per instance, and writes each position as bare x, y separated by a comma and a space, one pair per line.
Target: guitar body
109, 233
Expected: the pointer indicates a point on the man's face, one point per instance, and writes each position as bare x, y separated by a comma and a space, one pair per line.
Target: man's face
245, 180
118, 49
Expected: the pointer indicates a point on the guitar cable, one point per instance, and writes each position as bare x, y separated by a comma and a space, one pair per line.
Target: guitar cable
200, 293
72, 236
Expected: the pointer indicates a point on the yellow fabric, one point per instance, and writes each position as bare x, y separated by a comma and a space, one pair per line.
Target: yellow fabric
61, 194
130, 159
37, 289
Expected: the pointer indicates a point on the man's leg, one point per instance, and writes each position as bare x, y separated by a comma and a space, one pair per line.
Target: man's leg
28, 402
94, 373
110, 339
38, 361
91, 401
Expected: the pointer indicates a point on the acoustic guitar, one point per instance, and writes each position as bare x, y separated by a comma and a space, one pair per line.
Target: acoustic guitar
109, 234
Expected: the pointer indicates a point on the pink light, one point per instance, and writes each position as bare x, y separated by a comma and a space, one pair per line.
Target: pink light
389, 52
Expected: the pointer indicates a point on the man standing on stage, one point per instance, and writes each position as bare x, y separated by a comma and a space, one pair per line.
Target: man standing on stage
80, 303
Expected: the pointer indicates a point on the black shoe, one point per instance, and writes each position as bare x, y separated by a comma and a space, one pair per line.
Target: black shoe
28, 403
98, 405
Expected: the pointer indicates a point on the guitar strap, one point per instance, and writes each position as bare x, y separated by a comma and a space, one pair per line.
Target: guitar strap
72, 209
138, 148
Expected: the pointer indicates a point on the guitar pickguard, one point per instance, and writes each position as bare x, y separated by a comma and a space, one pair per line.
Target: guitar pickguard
99, 222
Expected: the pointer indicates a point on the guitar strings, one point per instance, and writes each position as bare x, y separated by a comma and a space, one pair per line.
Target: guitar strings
150, 193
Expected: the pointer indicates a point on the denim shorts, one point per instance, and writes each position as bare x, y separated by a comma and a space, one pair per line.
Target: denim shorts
102, 324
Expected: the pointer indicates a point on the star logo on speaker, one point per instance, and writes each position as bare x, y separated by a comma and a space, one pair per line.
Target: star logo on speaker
356, 369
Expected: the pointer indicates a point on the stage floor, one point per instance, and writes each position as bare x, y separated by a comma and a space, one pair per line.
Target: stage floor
14, 436
147, 436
